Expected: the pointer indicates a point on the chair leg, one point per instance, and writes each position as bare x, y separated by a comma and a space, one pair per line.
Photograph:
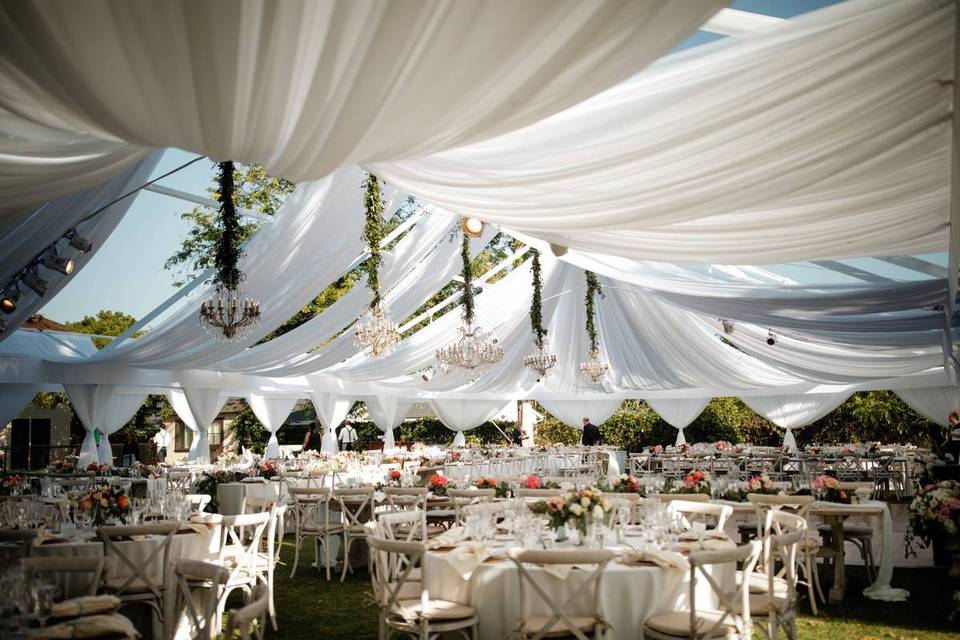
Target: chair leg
809, 568
326, 554
296, 555
347, 541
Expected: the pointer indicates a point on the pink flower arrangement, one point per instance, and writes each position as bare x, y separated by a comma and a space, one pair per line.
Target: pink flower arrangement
935, 511
694, 482
761, 484
486, 483
439, 485
532, 481
626, 484
101, 469
722, 445
684, 447
656, 449
394, 475
825, 482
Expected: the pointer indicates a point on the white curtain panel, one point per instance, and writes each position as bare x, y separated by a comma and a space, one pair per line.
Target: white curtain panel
933, 403
13, 398
572, 412
205, 405
272, 412
822, 137
464, 414
678, 413
388, 412
795, 411
106, 407
178, 400
332, 409
304, 87
24, 234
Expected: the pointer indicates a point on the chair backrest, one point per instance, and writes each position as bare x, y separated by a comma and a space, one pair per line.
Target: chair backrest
201, 615
464, 497
241, 538
179, 481
356, 505
560, 612
197, 502
734, 606
699, 511
273, 536
251, 620
140, 570
306, 503
392, 573
406, 498
34, 567
667, 498
406, 526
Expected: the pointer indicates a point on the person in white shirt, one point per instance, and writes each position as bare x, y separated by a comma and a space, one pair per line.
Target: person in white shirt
161, 439
348, 437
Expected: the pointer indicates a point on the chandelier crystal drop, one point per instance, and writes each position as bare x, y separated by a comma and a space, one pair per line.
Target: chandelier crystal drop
474, 349
593, 369
375, 333
228, 314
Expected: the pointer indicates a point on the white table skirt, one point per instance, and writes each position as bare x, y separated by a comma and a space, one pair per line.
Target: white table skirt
630, 594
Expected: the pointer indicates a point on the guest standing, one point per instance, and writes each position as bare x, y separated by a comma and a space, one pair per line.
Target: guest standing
348, 437
591, 434
131, 451
312, 440
161, 440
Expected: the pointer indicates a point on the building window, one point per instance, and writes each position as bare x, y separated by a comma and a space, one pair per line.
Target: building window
215, 435
183, 437
30, 443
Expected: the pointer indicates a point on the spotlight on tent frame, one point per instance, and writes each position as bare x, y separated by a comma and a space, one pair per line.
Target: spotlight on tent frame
727, 326
35, 282
80, 243
473, 227
771, 339
427, 374
8, 301
59, 263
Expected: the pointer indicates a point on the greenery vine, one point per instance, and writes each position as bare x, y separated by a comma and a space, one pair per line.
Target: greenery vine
228, 246
467, 299
373, 234
593, 289
536, 310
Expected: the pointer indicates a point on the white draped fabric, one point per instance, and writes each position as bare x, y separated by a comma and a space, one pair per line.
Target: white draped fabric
464, 414
679, 413
793, 412
572, 412
332, 409
106, 407
205, 405
934, 403
387, 412
302, 86
825, 136
13, 398
272, 412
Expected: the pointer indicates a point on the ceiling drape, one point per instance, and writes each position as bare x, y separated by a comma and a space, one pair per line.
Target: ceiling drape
463, 415
933, 403
272, 412
572, 412
679, 413
332, 409
388, 412
792, 412
204, 405
103, 407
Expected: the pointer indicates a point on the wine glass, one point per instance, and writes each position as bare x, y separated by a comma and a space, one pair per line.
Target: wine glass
42, 597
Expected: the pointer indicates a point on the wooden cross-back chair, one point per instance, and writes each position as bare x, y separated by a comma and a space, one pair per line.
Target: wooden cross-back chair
208, 580
356, 506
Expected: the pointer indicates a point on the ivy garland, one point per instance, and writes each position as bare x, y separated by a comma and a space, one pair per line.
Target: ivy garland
593, 288
228, 245
536, 311
373, 234
467, 300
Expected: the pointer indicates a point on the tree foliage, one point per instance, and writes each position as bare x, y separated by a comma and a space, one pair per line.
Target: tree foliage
105, 323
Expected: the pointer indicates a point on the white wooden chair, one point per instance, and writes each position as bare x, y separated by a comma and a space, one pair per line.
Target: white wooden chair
250, 621
731, 619
394, 566
464, 497
179, 482
206, 580
356, 505
268, 556
34, 568
408, 526
197, 502
241, 539
700, 511
777, 608
311, 514
146, 582
560, 622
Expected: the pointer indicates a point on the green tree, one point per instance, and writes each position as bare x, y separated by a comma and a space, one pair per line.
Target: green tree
105, 323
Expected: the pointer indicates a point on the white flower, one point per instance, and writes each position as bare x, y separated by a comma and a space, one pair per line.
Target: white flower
597, 512
585, 502
576, 509
567, 486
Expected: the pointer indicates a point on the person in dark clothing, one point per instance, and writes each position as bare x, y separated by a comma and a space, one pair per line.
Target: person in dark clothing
591, 434
313, 439
516, 436
953, 436
131, 451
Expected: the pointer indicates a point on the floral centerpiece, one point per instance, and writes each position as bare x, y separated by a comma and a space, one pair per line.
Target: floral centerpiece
104, 504
829, 489
393, 477
580, 509
533, 481
454, 456
693, 482
935, 513
656, 449
14, 485
268, 470
722, 445
626, 484
684, 447
502, 488
65, 465
208, 484
757, 484
439, 484
98, 469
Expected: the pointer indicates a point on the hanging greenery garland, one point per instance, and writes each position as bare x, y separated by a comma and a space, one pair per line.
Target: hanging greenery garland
373, 234
593, 289
536, 310
467, 299
228, 245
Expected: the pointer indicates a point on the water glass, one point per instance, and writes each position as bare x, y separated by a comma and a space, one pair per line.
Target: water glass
42, 599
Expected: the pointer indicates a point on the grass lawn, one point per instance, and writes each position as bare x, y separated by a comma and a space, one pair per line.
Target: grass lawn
310, 608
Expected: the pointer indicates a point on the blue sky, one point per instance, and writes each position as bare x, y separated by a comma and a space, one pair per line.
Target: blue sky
127, 273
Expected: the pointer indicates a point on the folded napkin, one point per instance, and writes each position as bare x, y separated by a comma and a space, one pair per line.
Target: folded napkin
467, 557
708, 544
449, 538
661, 558
195, 527
714, 534
42, 536
85, 606
88, 627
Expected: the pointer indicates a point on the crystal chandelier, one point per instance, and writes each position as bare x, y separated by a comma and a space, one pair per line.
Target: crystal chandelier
540, 360
375, 332
475, 348
228, 314
592, 369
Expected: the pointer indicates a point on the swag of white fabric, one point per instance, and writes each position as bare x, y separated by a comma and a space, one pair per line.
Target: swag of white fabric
679, 413
13, 398
304, 87
933, 403
463, 415
572, 412
103, 407
332, 409
793, 412
204, 405
388, 412
272, 412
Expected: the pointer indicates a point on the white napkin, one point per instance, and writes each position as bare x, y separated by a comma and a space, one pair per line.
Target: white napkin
661, 558
85, 606
714, 534
467, 557
87, 627
449, 538
708, 544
